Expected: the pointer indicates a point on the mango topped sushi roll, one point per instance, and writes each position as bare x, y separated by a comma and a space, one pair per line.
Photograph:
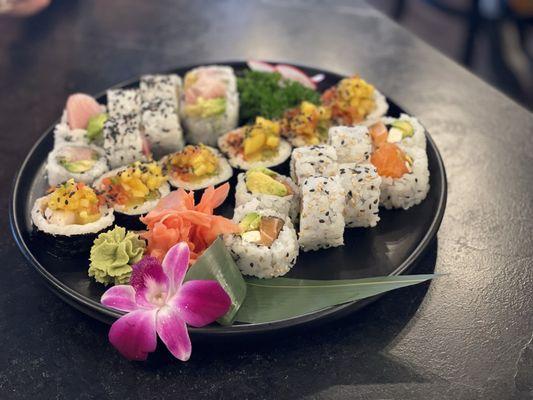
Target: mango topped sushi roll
209, 104
135, 189
71, 208
306, 124
196, 167
353, 101
257, 145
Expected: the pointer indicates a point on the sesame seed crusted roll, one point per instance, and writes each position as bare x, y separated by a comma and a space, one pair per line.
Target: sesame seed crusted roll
321, 216
352, 143
319, 160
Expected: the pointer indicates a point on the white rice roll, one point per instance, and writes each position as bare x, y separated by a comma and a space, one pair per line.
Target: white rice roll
64, 135
321, 215
361, 183
418, 139
55, 222
123, 141
64, 162
159, 112
285, 205
207, 130
352, 143
236, 155
412, 187
318, 160
224, 173
140, 209
259, 260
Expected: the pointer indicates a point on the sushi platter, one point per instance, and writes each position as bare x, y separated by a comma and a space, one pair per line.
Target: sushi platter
299, 172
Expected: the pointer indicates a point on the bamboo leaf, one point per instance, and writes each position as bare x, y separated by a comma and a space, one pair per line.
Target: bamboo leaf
269, 300
216, 264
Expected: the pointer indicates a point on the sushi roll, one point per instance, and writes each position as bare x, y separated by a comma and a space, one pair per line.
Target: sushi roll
209, 104
352, 143
405, 130
306, 124
321, 215
404, 175
353, 101
135, 189
71, 209
272, 190
319, 160
196, 167
81, 122
267, 245
159, 113
361, 183
257, 145
123, 141
81, 162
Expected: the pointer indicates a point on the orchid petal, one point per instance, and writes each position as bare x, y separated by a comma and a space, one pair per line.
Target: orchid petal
175, 265
150, 283
134, 334
173, 332
201, 302
120, 297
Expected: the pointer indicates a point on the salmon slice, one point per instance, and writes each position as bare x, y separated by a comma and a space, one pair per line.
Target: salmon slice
389, 160
378, 133
80, 108
269, 229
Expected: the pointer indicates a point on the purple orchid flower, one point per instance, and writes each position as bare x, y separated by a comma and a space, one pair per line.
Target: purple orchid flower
158, 303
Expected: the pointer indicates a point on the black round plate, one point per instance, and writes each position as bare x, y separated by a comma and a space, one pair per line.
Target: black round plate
391, 248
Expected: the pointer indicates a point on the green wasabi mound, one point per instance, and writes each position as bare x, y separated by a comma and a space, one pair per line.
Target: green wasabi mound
112, 255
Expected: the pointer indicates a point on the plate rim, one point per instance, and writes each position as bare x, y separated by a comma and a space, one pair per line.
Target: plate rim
106, 314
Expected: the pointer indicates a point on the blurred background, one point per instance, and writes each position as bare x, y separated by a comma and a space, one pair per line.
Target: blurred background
492, 38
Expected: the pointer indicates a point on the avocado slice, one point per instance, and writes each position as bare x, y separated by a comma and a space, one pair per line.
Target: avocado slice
406, 128
96, 126
77, 167
258, 182
250, 222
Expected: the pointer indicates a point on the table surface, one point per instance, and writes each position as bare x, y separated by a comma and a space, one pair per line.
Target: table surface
468, 335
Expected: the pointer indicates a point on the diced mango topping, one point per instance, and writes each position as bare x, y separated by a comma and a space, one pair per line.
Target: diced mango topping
309, 121
76, 198
261, 139
194, 162
351, 100
135, 184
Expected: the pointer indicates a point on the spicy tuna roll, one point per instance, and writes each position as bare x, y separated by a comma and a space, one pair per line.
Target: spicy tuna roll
82, 163
353, 101
81, 122
123, 141
404, 175
321, 214
306, 124
159, 112
209, 104
319, 160
267, 245
196, 167
352, 143
361, 183
135, 189
405, 130
257, 145
272, 191
71, 209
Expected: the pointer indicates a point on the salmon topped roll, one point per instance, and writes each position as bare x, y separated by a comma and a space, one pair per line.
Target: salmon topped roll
209, 104
405, 130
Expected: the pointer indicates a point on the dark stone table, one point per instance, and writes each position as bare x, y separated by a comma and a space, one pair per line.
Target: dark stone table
466, 336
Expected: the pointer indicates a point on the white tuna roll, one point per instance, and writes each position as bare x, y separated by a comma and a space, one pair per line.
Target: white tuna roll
81, 162
209, 104
352, 143
321, 215
268, 247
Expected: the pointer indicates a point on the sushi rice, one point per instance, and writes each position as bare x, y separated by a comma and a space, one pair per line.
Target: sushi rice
318, 160
352, 143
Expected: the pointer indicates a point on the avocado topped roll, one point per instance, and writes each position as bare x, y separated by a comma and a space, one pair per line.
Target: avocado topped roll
257, 145
306, 124
405, 130
135, 189
71, 209
272, 191
353, 101
267, 245
81, 162
196, 167
209, 104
